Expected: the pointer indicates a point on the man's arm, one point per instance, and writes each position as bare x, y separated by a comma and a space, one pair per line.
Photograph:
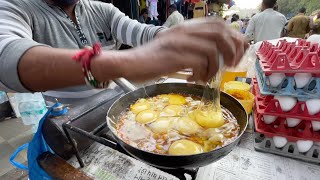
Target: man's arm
126, 30
250, 30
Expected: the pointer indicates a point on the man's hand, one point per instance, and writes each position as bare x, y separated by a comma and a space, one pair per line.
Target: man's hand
194, 44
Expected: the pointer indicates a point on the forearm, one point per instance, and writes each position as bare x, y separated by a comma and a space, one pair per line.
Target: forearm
45, 68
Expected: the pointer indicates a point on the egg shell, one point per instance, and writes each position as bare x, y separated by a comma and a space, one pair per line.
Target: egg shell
316, 125
304, 146
279, 142
313, 106
293, 122
302, 79
269, 119
276, 79
287, 103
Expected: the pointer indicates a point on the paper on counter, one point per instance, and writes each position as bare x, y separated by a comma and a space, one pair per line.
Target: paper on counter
243, 163
104, 163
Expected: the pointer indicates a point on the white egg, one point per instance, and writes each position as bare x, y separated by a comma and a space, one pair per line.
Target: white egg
313, 106
316, 125
276, 79
269, 119
287, 103
279, 142
304, 146
293, 122
302, 79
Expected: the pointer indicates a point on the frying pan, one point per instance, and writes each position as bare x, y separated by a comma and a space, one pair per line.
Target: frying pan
169, 161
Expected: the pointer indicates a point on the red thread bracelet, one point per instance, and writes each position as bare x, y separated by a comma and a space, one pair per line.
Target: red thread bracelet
84, 57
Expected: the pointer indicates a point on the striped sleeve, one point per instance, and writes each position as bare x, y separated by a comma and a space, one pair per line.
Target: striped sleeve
128, 31
15, 40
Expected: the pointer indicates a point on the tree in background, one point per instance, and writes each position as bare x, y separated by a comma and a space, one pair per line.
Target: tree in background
291, 7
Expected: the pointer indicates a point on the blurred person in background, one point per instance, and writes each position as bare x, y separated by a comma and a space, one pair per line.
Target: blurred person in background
299, 25
144, 17
315, 27
266, 25
234, 24
174, 18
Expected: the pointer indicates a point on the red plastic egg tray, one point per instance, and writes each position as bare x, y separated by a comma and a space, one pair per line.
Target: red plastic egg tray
290, 58
267, 105
302, 131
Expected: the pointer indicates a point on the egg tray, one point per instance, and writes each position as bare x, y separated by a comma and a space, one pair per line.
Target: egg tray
289, 58
290, 150
302, 131
287, 87
267, 105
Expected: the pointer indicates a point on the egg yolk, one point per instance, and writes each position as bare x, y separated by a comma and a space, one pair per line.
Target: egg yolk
147, 116
139, 106
185, 147
187, 126
161, 125
209, 119
192, 115
175, 99
172, 110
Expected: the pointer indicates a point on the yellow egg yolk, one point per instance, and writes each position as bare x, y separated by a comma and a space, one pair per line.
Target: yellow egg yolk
175, 99
172, 110
187, 126
209, 119
147, 116
161, 125
139, 106
185, 147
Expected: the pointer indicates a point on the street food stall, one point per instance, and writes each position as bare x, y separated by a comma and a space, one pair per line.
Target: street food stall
279, 142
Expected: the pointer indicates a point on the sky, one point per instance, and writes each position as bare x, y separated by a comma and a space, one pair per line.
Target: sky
248, 4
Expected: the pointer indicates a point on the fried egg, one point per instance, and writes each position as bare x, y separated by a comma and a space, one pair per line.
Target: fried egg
209, 119
141, 105
185, 147
176, 99
147, 116
162, 125
187, 126
172, 110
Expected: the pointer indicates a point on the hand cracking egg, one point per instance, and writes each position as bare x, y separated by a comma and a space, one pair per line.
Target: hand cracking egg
287, 103
185, 147
304, 146
276, 79
293, 122
313, 106
279, 142
302, 79
147, 116
187, 126
162, 125
269, 119
172, 110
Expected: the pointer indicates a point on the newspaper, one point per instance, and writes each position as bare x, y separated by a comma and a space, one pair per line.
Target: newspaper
244, 163
104, 163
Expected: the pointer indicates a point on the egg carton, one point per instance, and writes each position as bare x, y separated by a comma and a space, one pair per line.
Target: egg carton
289, 58
286, 85
269, 105
290, 149
279, 127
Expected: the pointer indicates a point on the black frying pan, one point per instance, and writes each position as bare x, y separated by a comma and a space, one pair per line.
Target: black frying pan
168, 161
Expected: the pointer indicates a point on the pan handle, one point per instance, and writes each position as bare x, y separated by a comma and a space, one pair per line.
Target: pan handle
125, 85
